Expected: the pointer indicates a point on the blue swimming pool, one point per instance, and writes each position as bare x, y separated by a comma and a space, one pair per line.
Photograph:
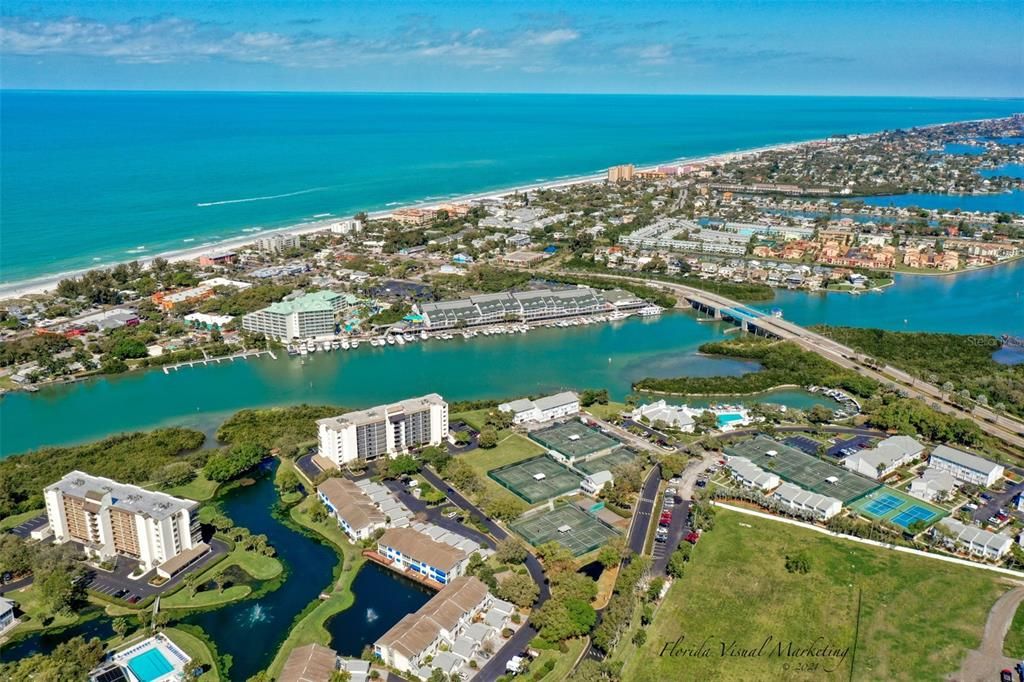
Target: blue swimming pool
728, 418
150, 665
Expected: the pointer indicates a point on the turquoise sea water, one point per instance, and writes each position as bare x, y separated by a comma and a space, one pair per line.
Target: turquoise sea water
90, 177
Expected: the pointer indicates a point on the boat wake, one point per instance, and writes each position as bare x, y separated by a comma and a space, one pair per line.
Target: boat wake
265, 198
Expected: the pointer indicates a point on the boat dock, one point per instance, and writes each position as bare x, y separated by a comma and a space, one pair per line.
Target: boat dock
244, 355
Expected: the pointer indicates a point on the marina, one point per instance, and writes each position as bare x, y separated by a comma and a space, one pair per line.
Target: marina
244, 355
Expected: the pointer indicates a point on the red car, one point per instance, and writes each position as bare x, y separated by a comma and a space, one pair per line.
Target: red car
692, 537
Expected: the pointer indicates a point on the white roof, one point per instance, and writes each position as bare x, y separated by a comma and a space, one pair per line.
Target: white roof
797, 495
966, 460
973, 535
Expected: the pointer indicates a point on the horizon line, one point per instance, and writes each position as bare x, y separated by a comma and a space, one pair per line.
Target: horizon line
502, 92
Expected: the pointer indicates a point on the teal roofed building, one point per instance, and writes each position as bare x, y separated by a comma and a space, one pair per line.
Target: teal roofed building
301, 317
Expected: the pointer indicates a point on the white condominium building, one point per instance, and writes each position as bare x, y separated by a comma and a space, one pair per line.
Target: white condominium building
543, 409
385, 430
299, 318
109, 518
965, 466
274, 243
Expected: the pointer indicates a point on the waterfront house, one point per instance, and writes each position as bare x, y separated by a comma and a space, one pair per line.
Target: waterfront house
543, 409
439, 623
675, 416
7, 619
353, 509
932, 483
413, 551
966, 467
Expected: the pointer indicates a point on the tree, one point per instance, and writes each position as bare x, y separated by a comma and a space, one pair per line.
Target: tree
819, 414
557, 559
340, 676
640, 637
654, 588
589, 397
510, 551
231, 463
672, 464
503, 507
798, 563
174, 474
436, 457
611, 553
520, 589
573, 585
705, 421
120, 626
287, 481
488, 437
403, 465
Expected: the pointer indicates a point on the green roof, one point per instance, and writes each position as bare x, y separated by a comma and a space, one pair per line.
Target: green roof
318, 300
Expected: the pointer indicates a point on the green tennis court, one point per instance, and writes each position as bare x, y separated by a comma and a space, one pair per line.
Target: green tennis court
617, 457
569, 526
573, 439
806, 471
536, 479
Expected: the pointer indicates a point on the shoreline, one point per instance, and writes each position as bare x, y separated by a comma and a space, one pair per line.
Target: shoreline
46, 283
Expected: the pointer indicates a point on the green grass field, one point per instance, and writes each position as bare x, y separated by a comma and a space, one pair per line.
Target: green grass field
36, 613
256, 565
1013, 645
197, 650
512, 448
199, 489
918, 616
18, 519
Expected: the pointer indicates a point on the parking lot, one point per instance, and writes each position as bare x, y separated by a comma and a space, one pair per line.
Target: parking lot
674, 532
23, 530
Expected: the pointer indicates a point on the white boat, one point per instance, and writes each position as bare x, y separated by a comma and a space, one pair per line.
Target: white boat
303, 350
355, 344
292, 350
391, 340
326, 346
344, 344
423, 335
409, 338
335, 345
399, 340
311, 345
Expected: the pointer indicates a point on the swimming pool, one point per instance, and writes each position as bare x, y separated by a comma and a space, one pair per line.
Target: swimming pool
728, 418
150, 665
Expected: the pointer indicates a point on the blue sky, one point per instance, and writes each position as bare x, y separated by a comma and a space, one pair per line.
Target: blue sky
924, 47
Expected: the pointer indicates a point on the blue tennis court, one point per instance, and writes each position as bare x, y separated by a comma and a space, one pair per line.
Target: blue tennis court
915, 513
150, 665
883, 504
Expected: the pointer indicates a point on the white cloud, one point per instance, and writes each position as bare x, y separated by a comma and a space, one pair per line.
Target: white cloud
657, 53
556, 36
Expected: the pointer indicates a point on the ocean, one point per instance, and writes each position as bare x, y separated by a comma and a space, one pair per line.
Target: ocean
91, 178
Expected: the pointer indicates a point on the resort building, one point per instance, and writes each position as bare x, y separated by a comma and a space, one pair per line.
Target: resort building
749, 475
518, 306
977, 541
933, 484
355, 512
543, 409
7, 619
822, 506
621, 173
413, 551
168, 299
675, 416
302, 317
881, 460
217, 258
275, 243
444, 621
966, 467
383, 431
108, 518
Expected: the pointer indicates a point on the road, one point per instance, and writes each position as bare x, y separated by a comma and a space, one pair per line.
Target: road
517, 643
1006, 429
642, 515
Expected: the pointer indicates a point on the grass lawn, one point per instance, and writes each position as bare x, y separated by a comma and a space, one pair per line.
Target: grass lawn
1013, 645
737, 590
256, 565
311, 628
199, 488
511, 448
197, 650
17, 519
563, 662
606, 412
474, 418
35, 612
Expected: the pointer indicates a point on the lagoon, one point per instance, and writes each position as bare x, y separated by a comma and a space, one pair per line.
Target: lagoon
986, 301
1012, 201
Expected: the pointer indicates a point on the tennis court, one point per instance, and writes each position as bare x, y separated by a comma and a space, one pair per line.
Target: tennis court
806, 471
897, 507
617, 457
536, 479
573, 439
569, 526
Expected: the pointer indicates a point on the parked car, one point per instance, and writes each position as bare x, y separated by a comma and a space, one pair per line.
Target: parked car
120, 593
985, 496
692, 537
134, 599
702, 482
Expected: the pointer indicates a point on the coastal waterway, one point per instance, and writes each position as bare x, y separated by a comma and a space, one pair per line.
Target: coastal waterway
612, 356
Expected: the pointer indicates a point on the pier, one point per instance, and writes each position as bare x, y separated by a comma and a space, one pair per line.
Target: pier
244, 355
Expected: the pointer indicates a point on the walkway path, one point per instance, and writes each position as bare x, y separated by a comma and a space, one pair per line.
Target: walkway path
984, 663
